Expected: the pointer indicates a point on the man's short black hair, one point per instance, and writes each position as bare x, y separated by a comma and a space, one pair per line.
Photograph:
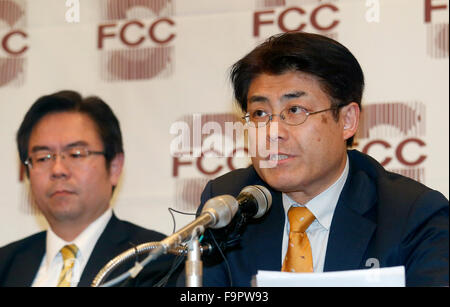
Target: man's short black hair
337, 70
70, 101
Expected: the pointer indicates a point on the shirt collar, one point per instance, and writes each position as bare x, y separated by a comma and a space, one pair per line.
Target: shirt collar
324, 204
85, 241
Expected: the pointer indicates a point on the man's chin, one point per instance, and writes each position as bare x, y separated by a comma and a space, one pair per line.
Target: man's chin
64, 211
277, 181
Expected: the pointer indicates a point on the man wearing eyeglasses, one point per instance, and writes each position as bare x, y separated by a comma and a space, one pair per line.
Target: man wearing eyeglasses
333, 209
72, 150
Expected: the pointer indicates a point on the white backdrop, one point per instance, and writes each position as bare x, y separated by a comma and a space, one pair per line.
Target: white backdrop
156, 62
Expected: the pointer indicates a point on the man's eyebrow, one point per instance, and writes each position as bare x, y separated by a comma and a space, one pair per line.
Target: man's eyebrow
77, 144
70, 145
39, 148
258, 98
292, 95
287, 96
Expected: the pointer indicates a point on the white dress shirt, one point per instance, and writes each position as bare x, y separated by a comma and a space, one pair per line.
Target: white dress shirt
322, 206
52, 262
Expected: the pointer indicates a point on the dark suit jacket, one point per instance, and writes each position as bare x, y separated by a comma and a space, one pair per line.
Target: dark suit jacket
20, 261
379, 215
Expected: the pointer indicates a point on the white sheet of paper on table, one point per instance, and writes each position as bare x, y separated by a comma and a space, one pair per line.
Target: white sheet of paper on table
374, 277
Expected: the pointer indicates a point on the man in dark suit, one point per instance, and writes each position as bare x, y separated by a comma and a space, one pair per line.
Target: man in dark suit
72, 150
302, 96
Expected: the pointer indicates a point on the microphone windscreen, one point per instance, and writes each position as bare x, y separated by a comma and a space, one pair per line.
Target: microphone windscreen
262, 196
223, 208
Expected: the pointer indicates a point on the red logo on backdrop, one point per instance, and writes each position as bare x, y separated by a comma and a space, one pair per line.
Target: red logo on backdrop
208, 135
275, 16
436, 20
13, 42
393, 134
135, 41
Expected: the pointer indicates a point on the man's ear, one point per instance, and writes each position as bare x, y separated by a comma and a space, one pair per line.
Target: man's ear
115, 168
350, 119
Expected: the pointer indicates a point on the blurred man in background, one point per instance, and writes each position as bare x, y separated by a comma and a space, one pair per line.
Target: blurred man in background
72, 150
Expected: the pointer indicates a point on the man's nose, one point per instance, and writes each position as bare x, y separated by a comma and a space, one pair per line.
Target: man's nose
59, 168
276, 129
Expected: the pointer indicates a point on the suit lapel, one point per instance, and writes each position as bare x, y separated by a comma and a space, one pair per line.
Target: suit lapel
351, 229
348, 242
267, 235
106, 248
267, 239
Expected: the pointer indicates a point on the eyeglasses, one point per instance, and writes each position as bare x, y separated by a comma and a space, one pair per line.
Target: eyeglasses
292, 115
73, 157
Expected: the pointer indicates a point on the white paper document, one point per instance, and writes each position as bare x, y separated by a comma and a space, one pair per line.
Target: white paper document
383, 277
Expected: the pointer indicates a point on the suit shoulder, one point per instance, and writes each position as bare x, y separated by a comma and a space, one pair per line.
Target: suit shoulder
21, 244
392, 188
409, 194
240, 174
9, 252
141, 234
404, 189
232, 182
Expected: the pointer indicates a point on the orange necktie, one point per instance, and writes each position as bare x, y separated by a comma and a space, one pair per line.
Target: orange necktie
299, 256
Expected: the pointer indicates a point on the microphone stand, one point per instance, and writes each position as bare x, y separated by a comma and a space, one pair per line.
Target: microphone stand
194, 265
193, 268
217, 212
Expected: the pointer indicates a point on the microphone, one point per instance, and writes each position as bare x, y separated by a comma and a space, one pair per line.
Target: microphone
216, 213
254, 202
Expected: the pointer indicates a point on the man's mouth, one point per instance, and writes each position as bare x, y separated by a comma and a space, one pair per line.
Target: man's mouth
61, 193
278, 157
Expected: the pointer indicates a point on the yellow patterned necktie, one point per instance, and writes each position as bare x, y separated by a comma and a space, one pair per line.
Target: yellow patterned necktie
69, 254
298, 256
